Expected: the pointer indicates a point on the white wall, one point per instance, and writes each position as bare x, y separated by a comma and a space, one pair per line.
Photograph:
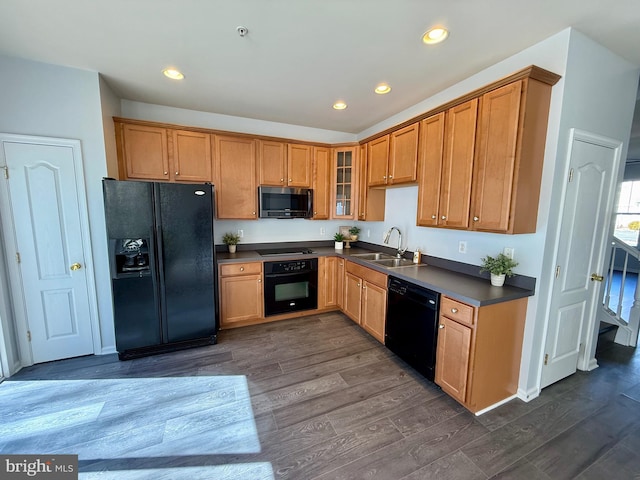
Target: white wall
599, 97
54, 101
180, 116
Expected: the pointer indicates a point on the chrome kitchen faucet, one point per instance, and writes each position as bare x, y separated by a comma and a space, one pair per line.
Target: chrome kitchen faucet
387, 234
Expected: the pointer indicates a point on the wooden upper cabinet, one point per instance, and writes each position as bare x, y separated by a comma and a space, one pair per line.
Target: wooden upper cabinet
403, 155
378, 161
145, 152
344, 183
371, 201
299, 165
321, 184
509, 155
272, 163
430, 169
235, 177
191, 156
457, 165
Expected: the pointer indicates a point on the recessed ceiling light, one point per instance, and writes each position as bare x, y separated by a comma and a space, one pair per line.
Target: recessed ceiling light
339, 105
382, 89
173, 73
435, 35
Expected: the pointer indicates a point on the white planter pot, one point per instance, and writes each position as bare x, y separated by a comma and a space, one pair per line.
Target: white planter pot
339, 245
232, 248
497, 280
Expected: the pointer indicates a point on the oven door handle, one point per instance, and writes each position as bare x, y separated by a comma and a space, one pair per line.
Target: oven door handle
292, 274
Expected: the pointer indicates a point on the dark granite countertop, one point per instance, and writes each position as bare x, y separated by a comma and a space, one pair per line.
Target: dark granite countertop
467, 288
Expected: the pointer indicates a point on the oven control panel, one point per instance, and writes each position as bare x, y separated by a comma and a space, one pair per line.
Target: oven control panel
293, 266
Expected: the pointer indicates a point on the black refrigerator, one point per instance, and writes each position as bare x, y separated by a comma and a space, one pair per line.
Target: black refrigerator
161, 255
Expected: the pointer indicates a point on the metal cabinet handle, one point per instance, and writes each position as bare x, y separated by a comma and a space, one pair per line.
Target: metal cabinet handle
444, 217
433, 217
282, 179
242, 269
253, 213
177, 173
454, 310
259, 280
441, 326
166, 173
75, 266
384, 177
364, 287
289, 180
390, 177
475, 219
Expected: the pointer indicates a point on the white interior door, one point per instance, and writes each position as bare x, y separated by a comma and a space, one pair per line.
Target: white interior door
46, 232
586, 215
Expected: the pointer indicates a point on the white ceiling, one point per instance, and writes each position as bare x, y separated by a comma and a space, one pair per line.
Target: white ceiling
299, 56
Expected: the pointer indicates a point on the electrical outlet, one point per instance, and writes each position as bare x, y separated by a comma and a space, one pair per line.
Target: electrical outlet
368, 233
462, 247
509, 252
322, 231
241, 233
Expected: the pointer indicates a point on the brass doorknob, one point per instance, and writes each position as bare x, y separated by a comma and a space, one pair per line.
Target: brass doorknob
75, 266
596, 277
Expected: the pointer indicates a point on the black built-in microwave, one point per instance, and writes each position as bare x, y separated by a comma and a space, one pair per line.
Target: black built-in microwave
285, 202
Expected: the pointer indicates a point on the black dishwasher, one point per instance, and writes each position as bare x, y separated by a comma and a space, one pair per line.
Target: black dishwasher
412, 324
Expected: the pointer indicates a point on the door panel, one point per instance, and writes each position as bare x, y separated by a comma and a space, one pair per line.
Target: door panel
46, 211
581, 246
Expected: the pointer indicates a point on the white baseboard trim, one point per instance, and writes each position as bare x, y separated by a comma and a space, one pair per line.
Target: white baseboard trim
495, 405
528, 395
592, 365
107, 351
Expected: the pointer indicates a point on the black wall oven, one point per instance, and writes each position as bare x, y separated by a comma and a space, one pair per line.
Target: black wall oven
290, 286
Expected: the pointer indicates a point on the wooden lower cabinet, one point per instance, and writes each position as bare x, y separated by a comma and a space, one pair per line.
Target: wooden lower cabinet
340, 273
452, 362
479, 350
365, 298
327, 282
241, 294
374, 309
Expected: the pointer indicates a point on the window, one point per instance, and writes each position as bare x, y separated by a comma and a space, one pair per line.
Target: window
628, 213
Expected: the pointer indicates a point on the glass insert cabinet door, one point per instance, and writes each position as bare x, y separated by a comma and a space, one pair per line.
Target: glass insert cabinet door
343, 206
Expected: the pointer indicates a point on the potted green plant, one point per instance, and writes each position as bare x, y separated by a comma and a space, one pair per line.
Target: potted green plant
499, 267
354, 231
339, 241
231, 239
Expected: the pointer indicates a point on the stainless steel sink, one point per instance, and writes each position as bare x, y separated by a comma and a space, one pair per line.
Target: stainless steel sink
373, 256
393, 262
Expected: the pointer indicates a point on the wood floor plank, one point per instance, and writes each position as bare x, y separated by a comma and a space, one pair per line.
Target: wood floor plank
506, 445
380, 404
451, 467
315, 397
336, 451
346, 397
413, 453
587, 441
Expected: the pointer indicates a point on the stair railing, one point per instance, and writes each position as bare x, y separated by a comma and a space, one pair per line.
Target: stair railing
627, 333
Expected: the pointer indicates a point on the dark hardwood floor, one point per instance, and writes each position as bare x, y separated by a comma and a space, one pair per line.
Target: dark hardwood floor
315, 398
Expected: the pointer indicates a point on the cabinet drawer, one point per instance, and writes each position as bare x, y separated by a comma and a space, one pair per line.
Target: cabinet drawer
457, 311
367, 274
230, 269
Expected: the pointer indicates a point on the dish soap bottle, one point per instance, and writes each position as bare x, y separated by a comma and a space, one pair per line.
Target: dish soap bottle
416, 256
